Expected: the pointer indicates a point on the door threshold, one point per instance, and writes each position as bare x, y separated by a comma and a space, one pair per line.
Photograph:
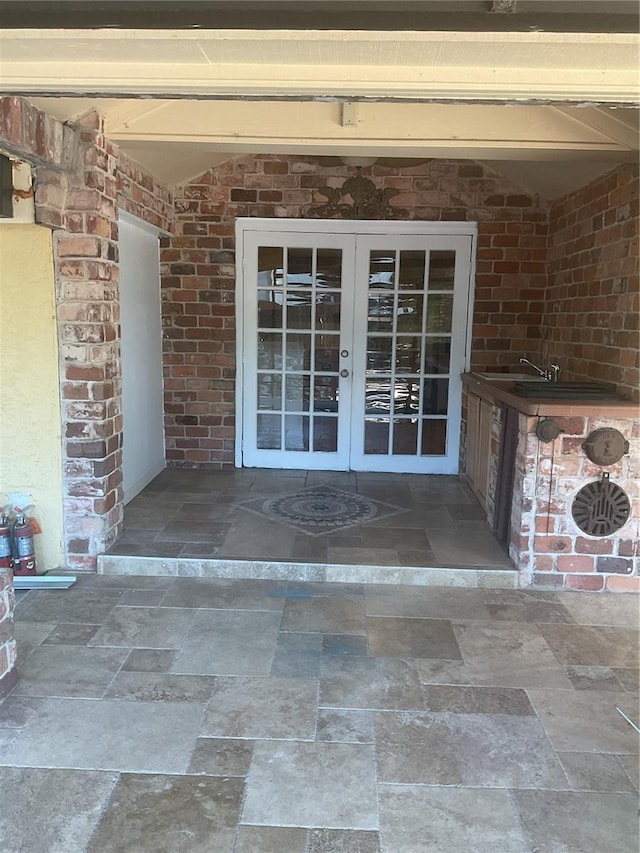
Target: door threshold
473, 577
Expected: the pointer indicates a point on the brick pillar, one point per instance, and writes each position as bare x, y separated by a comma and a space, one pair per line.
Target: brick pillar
86, 268
8, 672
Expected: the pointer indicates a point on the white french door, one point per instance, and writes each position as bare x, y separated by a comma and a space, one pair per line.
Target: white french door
351, 344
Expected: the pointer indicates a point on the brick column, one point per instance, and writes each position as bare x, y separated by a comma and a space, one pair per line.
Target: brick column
8, 672
86, 268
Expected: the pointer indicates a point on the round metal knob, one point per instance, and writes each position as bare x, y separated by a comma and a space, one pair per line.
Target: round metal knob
344, 373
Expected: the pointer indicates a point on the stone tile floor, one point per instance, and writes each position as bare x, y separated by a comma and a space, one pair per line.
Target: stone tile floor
228, 716
435, 521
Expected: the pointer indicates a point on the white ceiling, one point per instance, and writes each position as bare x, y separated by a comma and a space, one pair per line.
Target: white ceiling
550, 109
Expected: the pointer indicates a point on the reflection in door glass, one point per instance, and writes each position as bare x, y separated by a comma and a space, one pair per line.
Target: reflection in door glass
326, 355
406, 398
269, 391
378, 396
297, 393
382, 270
298, 352
380, 313
405, 437
268, 432
439, 312
329, 268
299, 309
269, 351
376, 436
411, 276
408, 354
435, 394
442, 266
299, 267
296, 432
270, 266
379, 355
325, 435
410, 313
434, 438
325, 394
437, 352
328, 312
269, 309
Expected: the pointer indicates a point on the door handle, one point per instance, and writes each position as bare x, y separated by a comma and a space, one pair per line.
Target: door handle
344, 373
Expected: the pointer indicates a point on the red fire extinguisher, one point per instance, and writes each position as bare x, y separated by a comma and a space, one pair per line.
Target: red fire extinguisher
24, 552
6, 561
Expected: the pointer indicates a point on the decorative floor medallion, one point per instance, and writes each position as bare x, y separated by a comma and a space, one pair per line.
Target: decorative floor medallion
321, 509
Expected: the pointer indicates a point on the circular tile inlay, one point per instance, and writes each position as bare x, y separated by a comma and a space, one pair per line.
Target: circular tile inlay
321, 508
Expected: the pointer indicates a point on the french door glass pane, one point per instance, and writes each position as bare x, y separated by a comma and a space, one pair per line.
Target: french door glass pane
327, 351
299, 304
405, 437
270, 309
434, 397
439, 312
376, 436
297, 393
299, 268
325, 394
269, 351
411, 276
327, 312
378, 396
269, 427
437, 354
325, 435
379, 351
408, 354
329, 269
382, 270
434, 437
442, 267
296, 432
298, 355
270, 266
269, 391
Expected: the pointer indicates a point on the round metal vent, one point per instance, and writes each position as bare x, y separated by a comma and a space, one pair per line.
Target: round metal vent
601, 508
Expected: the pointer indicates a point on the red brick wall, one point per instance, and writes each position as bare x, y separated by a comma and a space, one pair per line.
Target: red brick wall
143, 195
592, 297
546, 544
199, 274
8, 672
78, 190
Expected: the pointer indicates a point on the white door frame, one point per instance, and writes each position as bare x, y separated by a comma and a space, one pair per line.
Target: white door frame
324, 226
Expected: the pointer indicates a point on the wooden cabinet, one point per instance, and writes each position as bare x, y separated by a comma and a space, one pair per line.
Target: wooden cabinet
479, 420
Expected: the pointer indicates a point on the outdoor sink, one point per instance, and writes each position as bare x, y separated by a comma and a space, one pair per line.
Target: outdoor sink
566, 390
510, 377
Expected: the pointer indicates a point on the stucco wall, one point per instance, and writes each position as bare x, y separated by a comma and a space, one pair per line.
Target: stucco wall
30, 430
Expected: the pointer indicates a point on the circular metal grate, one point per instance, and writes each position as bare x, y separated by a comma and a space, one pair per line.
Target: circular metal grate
601, 508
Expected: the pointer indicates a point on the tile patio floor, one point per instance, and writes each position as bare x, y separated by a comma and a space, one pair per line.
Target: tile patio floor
228, 716
431, 521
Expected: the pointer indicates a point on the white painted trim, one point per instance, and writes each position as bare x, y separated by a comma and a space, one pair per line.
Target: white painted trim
471, 299
239, 413
130, 219
356, 226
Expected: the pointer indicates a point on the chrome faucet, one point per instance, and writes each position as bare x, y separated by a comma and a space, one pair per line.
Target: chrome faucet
549, 374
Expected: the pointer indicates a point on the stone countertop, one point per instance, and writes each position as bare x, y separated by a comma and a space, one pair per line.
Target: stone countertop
501, 391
